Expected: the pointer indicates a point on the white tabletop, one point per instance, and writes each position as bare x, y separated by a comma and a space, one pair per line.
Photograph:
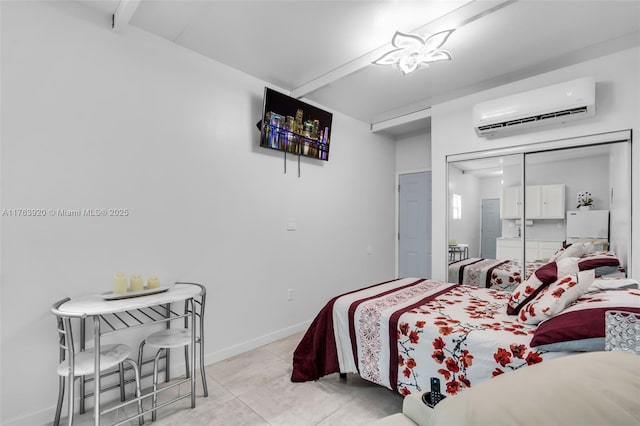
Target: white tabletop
96, 304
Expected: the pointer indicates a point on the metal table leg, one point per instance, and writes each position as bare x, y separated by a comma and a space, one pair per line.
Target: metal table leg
96, 372
193, 354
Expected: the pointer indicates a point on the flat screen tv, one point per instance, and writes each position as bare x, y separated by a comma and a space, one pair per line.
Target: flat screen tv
294, 126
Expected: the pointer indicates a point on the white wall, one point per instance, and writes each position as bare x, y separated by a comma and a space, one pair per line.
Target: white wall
617, 99
413, 152
465, 230
490, 187
97, 119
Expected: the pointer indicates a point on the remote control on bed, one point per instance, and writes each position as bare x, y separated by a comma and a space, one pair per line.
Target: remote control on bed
436, 396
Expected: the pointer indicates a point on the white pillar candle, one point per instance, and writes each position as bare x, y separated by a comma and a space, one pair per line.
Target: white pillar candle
136, 283
153, 282
119, 282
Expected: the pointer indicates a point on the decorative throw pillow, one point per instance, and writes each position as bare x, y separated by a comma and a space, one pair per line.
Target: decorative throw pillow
610, 271
574, 250
591, 344
584, 319
541, 277
597, 259
555, 297
557, 254
612, 284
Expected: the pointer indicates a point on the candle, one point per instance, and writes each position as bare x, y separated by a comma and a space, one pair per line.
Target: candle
119, 282
153, 282
136, 283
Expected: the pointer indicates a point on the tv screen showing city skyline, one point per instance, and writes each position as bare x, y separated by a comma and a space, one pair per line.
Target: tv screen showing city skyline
293, 126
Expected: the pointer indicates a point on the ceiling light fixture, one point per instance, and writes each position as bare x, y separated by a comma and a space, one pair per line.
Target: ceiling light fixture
413, 51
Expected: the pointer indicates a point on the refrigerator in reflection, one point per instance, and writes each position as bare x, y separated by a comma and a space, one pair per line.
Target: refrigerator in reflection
587, 224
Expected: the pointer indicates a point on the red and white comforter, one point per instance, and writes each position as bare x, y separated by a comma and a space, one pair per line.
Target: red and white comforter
400, 333
490, 273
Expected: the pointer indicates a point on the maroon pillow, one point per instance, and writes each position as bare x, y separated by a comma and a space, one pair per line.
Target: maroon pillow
598, 259
584, 318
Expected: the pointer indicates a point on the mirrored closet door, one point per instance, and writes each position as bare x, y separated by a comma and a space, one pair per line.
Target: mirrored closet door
509, 212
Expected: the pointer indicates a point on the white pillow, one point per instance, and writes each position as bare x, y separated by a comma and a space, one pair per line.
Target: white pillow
575, 250
612, 284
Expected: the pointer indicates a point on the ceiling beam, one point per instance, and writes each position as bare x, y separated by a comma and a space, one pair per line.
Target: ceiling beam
124, 13
455, 19
400, 120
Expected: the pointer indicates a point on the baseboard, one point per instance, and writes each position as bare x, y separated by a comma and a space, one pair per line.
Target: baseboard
231, 351
213, 357
42, 418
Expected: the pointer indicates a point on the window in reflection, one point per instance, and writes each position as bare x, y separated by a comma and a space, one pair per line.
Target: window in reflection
456, 206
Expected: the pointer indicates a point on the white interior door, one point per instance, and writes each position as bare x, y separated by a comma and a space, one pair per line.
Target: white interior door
414, 216
491, 227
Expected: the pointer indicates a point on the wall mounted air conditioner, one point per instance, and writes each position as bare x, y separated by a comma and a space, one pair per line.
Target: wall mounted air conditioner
559, 103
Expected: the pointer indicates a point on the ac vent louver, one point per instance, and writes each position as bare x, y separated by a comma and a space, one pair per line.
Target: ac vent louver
572, 111
559, 103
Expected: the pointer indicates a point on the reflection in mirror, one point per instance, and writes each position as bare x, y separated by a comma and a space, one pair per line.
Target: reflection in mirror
577, 195
478, 253
570, 195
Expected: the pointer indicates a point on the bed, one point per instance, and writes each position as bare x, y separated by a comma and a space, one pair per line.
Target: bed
505, 275
400, 333
498, 274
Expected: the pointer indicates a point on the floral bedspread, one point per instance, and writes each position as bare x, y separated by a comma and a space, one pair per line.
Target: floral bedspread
401, 333
490, 273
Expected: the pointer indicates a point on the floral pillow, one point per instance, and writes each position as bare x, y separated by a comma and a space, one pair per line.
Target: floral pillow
541, 277
555, 297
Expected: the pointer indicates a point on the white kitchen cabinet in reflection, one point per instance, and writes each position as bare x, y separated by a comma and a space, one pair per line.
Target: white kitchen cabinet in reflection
543, 202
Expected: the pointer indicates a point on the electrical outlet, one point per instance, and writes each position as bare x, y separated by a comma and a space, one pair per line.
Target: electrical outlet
290, 295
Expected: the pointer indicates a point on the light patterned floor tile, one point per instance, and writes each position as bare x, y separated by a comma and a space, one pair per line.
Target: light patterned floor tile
87, 419
255, 389
247, 371
284, 347
282, 402
355, 412
212, 413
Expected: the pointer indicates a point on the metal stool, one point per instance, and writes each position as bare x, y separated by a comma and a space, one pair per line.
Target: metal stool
73, 365
172, 338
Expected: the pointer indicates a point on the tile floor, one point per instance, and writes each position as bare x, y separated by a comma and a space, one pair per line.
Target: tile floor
254, 388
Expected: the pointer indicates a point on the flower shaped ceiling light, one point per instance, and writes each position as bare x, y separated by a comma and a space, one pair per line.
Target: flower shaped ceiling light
413, 51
